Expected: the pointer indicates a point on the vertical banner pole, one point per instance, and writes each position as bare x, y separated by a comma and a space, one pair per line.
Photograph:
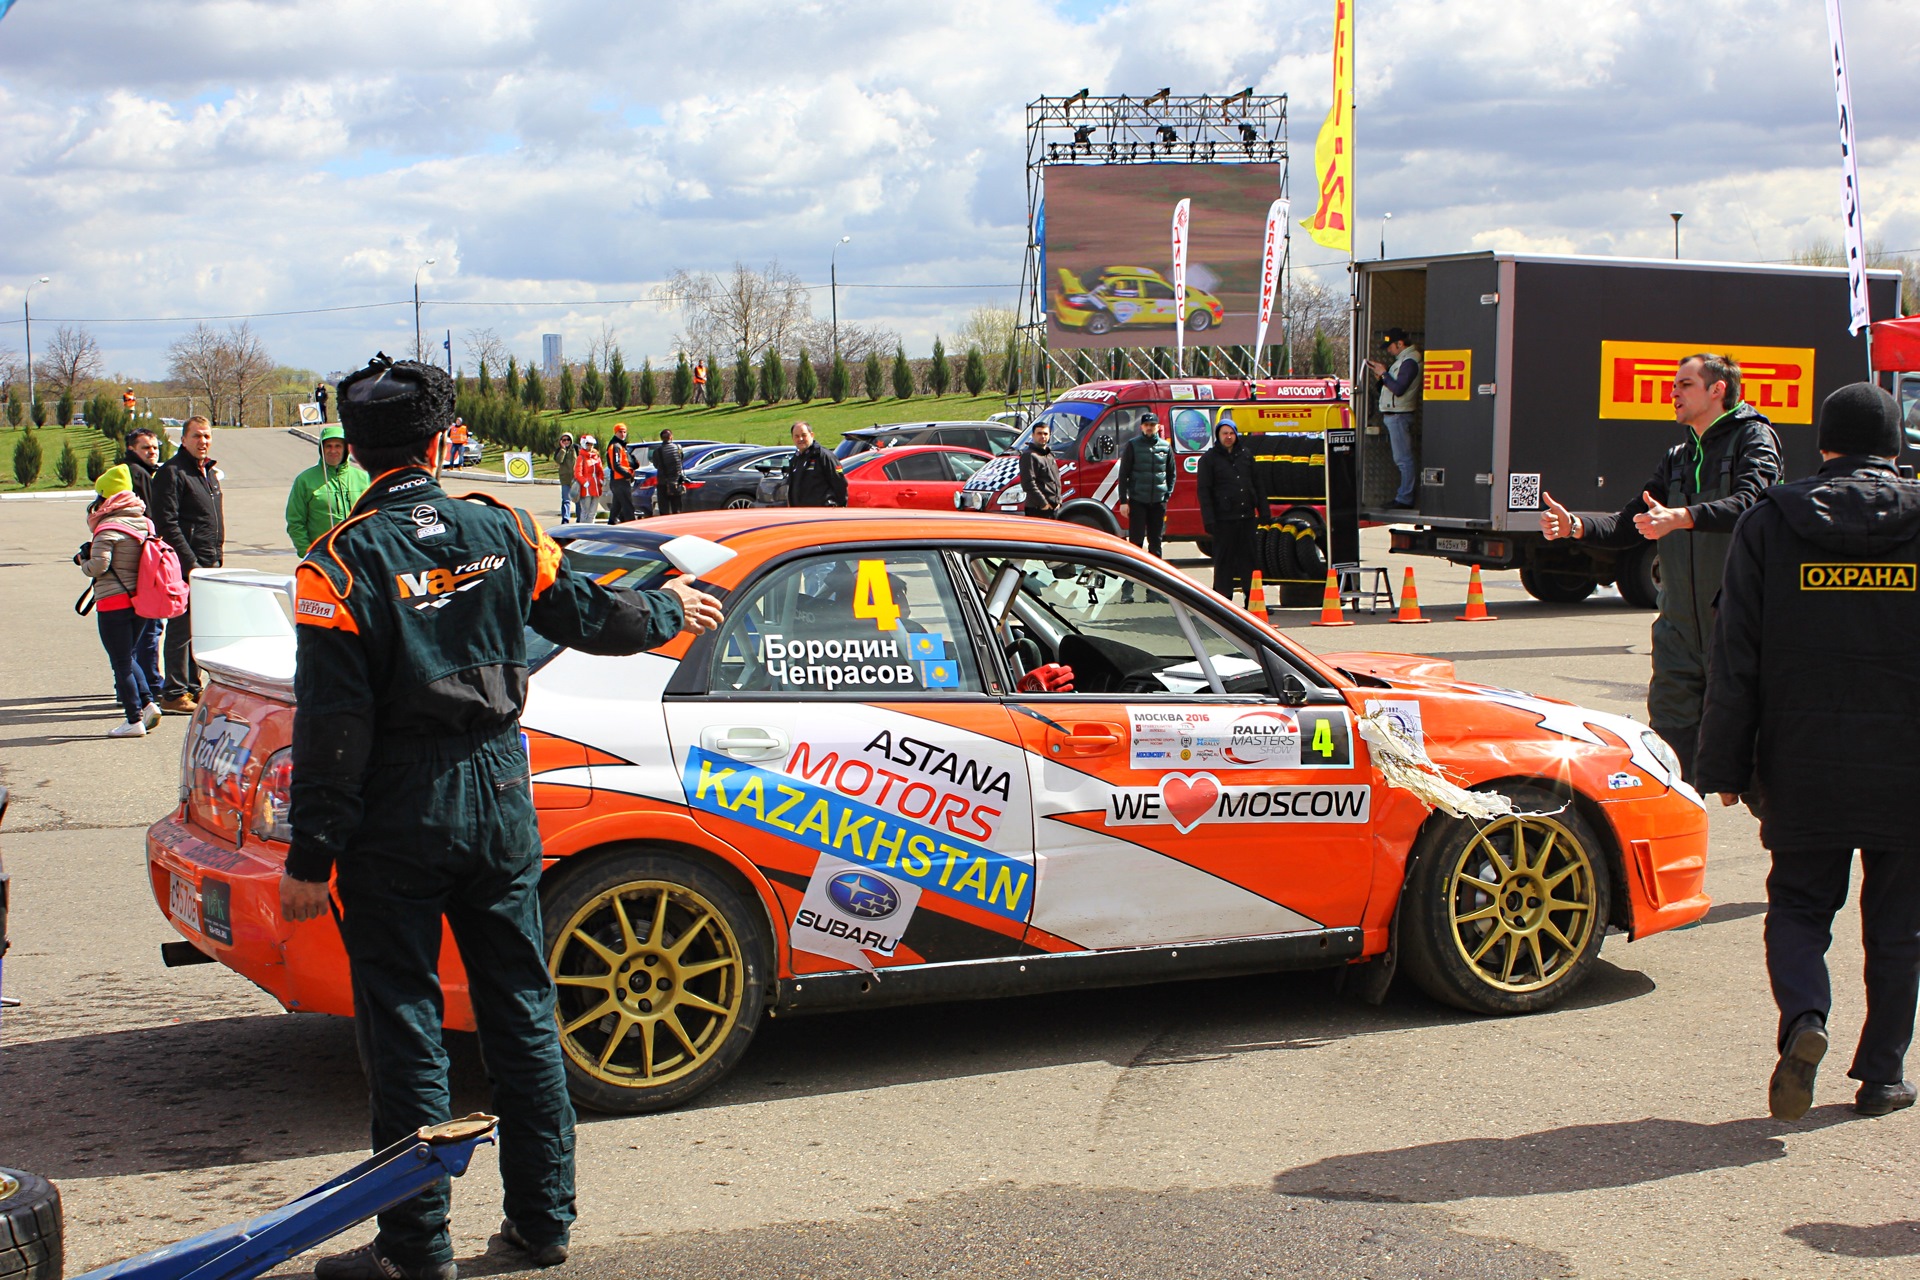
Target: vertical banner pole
1859, 315
1181, 212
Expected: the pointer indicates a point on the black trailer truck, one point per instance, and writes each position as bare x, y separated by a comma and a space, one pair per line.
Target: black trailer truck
1554, 374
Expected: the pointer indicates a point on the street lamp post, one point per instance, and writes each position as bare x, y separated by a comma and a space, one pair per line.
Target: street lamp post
418, 350
833, 291
1385, 218
1676, 235
26, 309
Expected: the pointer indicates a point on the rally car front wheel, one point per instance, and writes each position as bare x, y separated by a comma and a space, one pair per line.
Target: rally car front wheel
1507, 916
660, 968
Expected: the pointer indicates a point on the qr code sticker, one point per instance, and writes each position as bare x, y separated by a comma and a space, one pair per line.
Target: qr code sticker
1523, 491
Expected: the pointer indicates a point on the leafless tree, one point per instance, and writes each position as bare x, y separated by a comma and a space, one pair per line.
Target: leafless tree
600, 347
484, 347
12, 368
1821, 252
227, 368
70, 361
988, 328
1306, 307
856, 340
741, 309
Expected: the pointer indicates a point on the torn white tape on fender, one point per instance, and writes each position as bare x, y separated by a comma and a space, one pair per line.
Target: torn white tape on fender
1406, 766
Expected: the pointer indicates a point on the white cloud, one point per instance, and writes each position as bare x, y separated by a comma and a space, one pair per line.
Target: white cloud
186, 157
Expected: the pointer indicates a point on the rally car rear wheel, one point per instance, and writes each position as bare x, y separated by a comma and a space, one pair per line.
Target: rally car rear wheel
660, 968
1507, 916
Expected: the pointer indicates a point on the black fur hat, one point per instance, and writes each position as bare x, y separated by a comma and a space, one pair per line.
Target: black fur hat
395, 402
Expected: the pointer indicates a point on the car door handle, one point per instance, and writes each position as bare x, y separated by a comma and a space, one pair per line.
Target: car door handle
1088, 740
745, 741
909, 493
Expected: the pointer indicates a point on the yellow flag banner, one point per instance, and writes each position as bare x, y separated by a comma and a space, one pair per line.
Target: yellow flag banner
1332, 224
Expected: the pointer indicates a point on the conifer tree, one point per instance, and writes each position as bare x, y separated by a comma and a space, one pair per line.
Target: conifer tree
839, 381
902, 374
513, 379
649, 384
876, 378
485, 381
743, 380
566, 388
619, 383
713, 382
974, 376
939, 373
682, 382
533, 393
593, 389
1010, 367
805, 384
773, 377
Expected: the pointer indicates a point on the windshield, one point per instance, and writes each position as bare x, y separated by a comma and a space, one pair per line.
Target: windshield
1066, 421
621, 566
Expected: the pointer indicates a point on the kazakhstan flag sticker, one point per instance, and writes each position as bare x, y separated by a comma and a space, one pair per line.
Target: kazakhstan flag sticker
944, 674
928, 645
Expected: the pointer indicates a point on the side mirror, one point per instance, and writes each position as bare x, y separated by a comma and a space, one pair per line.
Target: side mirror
1293, 692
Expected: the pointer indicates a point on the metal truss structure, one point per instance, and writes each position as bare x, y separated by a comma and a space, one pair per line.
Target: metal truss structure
1157, 128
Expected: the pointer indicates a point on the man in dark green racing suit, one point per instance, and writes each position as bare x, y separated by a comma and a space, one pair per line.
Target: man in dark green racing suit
411, 787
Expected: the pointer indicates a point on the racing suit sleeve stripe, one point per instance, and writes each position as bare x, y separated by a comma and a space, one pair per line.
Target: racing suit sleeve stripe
547, 568
328, 538
317, 604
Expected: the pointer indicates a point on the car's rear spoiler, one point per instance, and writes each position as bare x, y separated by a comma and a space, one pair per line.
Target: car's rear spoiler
243, 628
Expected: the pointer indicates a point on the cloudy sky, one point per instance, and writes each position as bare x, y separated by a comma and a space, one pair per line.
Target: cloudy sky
182, 158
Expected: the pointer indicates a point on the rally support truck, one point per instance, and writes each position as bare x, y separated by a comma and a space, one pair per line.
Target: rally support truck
1554, 374
1285, 421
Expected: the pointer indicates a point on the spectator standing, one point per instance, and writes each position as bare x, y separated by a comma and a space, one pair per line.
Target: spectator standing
1146, 484
323, 495
142, 459
118, 522
1704, 485
619, 477
564, 457
1040, 475
1813, 711
1399, 378
1231, 508
129, 402
669, 475
589, 481
457, 444
699, 382
410, 795
813, 474
189, 511
320, 398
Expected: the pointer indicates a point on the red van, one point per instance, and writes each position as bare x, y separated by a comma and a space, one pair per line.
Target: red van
1283, 419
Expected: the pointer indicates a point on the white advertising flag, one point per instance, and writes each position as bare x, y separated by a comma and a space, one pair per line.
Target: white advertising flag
1180, 213
1277, 214
1856, 236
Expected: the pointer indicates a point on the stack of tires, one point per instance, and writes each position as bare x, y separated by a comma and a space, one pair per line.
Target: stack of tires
1293, 553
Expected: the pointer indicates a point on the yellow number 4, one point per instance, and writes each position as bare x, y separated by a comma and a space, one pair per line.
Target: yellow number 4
1323, 738
873, 596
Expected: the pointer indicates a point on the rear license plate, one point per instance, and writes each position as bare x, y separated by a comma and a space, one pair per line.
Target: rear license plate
1451, 544
183, 902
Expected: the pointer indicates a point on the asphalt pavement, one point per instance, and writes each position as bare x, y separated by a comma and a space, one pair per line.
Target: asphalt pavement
1261, 1126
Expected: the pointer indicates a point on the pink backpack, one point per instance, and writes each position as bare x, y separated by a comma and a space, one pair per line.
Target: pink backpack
161, 591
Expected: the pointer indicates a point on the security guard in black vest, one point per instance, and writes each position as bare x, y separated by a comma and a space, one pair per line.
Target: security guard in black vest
1813, 711
411, 788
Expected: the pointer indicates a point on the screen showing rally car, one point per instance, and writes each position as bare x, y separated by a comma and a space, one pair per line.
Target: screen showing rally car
1109, 252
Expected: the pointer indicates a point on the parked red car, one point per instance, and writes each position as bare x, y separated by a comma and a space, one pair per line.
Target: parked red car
919, 477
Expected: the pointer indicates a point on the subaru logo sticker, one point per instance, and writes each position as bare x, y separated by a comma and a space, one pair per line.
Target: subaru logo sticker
863, 894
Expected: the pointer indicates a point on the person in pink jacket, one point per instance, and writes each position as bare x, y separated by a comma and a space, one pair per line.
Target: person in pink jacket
589, 481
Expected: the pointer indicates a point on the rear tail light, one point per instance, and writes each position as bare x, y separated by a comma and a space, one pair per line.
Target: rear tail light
273, 798
693, 484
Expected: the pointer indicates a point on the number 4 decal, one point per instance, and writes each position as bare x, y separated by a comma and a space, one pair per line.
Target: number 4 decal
873, 596
1328, 739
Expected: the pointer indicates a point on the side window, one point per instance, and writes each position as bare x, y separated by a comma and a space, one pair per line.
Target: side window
1104, 440
999, 441
1124, 288
917, 466
1158, 291
1116, 634
961, 466
857, 626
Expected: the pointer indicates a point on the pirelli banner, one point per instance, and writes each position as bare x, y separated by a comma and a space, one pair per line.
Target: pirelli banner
1636, 379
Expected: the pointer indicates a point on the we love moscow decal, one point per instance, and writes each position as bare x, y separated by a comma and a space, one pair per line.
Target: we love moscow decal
1186, 800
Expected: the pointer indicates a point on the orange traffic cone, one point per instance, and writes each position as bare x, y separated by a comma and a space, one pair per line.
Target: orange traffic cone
1257, 597
1330, 604
1409, 600
1476, 601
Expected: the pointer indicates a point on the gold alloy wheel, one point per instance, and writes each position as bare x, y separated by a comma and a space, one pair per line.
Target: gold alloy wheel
650, 981
1522, 902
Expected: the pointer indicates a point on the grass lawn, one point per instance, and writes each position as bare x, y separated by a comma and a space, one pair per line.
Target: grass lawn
51, 438
762, 423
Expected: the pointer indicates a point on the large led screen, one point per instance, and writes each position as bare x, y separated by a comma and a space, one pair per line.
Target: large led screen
1109, 252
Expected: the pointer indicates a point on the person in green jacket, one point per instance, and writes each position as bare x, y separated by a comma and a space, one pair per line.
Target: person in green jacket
324, 495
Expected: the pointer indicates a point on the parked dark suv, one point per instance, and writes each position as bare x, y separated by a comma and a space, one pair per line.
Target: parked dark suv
988, 437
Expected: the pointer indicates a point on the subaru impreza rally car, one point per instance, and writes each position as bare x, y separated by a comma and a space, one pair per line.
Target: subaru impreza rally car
950, 756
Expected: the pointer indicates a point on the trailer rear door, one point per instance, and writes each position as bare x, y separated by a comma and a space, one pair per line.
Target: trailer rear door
1459, 389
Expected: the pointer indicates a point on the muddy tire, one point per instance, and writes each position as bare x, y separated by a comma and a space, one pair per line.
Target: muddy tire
31, 1241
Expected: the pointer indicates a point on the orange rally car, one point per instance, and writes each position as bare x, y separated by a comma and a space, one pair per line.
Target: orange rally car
950, 756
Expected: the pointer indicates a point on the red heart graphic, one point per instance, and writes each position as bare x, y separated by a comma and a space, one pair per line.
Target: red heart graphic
1188, 798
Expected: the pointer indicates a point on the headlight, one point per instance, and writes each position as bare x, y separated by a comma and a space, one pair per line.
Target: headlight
1663, 754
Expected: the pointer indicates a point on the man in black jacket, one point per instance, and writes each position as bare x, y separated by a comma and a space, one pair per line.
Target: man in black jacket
1689, 506
1231, 508
669, 475
813, 474
1040, 475
142, 459
410, 782
1813, 711
189, 512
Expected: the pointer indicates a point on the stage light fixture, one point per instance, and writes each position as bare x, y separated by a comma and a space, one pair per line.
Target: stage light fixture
1167, 135
1083, 135
1113, 151
1249, 134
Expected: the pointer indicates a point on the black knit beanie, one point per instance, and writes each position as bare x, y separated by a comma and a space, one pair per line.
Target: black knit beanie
395, 402
1860, 418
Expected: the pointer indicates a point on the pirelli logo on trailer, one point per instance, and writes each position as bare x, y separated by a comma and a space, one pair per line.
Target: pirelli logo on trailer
1636, 379
1447, 376
1857, 577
